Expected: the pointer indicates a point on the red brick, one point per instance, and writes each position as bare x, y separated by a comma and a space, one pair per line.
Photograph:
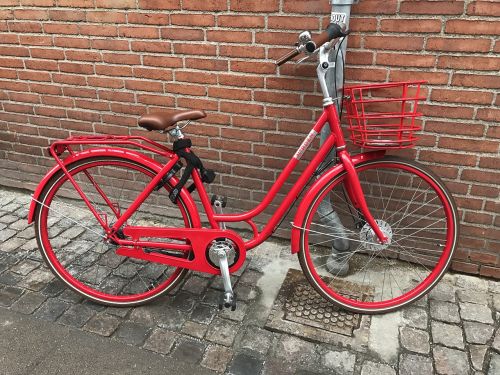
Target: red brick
306, 6
484, 8
443, 111
111, 45
148, 18
488, 114
493, 272
121, 58
150, 46
394, 43
99, 30
256, 6
64, 15
454, 128
488, 177
24, 27
238, 21
240, 81
398, 59
163, 61
487, 162
121, 4
208, 5
408, 25
192, 19
461, 96
160, 4
239, 51
183, 34
38, 3
242, 108
76, 3
83, 55
432, 7
139, 32
458, 44
469, 62
375, 7
469, 27
195, 49
106, 17
70, 42
113, 70
475, 80
229, 36
195, 77
31, 14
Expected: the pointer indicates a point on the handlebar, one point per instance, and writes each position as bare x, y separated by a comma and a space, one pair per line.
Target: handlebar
333, 31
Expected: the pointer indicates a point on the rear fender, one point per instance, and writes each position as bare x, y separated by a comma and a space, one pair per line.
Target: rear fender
316, 188
123, 153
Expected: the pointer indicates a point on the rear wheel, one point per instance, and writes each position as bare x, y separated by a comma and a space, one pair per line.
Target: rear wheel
72, 241
341, 257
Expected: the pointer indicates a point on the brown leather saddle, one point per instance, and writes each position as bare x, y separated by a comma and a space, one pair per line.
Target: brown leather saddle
164, 121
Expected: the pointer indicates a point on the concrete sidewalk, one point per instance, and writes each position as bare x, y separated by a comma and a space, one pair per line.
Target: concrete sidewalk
46, 328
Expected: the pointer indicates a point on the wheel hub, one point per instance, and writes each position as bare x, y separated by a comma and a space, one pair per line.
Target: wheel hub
369, 239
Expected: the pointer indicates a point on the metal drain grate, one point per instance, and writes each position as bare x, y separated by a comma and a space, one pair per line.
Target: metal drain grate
305, 306
299, 310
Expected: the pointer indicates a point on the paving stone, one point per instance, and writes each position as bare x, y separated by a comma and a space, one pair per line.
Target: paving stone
19, 225
76, 316
496, 302
246, 292
414, 340
222, 331
6, 234
415, 317
496, 341
244, 364
472, 296
373, 368
413, 364
54, 288
477, 354
340, 362
212, 297
2, 225
132, 333
183, 301
69, 296
450, 361
188, 350
257, 339
478, 333
8, 219
3, 266
444, 311
51, 309
471, 283
12, 244
161, 341
31, 245
9, 278
494, 286
29, 302
217, 357
477, 313
194, 329
290, 349
250, 277
102, 324
196, 285
25, 267
26, 234
204, 313
218, 284
174, 319
8, 295
494, 368
238, 315
447, 334
37, 279
118, 311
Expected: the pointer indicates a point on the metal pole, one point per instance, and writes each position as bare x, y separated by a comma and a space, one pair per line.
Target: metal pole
341, 14
337, 263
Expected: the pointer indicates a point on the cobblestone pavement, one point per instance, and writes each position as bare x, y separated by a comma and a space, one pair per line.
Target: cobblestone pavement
454, 330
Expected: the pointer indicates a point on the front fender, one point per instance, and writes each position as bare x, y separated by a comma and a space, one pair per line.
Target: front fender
119, 152
316, 188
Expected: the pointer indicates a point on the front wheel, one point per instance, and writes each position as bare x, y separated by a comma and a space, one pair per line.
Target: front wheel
341, 256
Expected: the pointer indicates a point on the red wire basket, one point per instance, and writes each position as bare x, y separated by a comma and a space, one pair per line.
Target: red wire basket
384, 115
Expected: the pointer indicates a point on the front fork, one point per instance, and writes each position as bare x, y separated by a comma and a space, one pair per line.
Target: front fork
356, 195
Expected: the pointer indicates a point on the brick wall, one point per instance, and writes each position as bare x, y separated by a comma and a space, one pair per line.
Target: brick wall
71, 67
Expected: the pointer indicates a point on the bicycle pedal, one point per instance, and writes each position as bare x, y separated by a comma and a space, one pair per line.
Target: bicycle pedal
228, 301
219, 199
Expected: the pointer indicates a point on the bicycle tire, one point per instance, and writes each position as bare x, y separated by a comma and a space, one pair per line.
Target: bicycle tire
62, 239
403, 179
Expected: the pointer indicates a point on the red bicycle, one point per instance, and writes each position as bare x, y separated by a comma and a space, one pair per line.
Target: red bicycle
372, 232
